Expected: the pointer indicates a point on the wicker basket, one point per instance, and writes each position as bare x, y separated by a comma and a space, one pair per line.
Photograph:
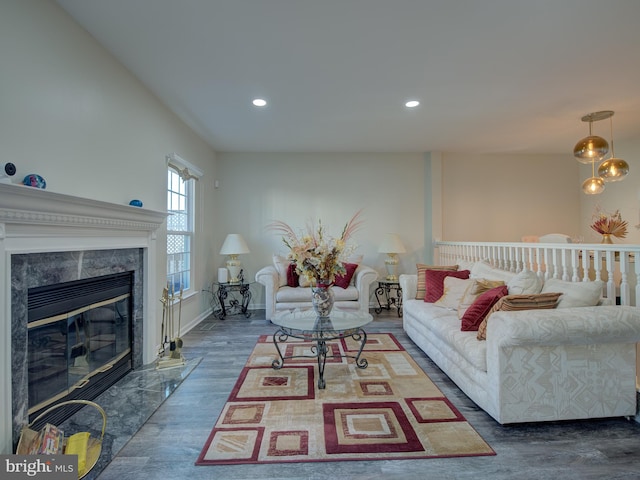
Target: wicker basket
95, 444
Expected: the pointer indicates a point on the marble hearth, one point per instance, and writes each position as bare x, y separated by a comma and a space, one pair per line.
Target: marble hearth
47, 237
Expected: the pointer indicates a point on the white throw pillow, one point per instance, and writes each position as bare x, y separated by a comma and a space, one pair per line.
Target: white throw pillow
464, 264
485, 270
525, 283
575, 294
454, 289
282, 264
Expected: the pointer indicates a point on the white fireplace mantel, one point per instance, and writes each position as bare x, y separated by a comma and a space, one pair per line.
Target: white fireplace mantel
35, 220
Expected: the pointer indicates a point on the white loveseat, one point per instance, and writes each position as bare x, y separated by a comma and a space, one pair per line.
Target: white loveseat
280, 297
535, 365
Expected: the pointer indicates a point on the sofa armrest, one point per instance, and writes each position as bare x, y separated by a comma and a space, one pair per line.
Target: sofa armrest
564, 326
268, 276
363, 277
409, 286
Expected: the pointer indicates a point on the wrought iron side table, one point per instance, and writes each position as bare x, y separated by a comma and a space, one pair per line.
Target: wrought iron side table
229, 298
389, 294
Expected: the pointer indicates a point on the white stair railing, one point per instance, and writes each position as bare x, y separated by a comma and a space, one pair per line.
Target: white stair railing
614, 264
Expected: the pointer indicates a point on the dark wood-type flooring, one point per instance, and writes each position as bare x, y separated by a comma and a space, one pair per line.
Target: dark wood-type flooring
167, 445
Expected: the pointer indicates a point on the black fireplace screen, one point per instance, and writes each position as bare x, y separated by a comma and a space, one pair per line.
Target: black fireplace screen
85, 331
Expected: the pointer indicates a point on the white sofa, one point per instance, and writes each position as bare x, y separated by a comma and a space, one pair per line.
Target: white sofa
280, 297
535, 365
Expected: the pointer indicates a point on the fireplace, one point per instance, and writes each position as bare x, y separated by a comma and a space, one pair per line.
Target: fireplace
79, 340
73, 337
49, 239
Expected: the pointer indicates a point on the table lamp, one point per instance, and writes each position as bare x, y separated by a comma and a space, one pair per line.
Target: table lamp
392, 246
233, 246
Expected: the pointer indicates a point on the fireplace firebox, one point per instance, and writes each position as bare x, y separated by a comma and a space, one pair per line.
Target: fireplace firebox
78, 340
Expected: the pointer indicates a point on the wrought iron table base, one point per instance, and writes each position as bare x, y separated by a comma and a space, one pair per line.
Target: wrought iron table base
228, 303
386, 299
320, 348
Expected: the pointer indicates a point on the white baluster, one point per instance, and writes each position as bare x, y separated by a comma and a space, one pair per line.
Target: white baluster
611, 267
624, 281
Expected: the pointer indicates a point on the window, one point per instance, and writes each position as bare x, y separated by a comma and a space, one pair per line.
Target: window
179, 230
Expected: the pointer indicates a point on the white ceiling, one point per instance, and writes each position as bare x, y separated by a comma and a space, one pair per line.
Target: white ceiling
492, 76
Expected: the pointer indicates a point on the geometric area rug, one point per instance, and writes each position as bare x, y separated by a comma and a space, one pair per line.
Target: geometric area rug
389, 410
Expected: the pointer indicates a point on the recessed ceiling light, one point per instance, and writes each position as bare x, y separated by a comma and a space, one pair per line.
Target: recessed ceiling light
412, 103
259, 102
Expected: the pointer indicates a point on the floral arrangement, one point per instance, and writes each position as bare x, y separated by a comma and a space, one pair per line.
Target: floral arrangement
609, 223
317, 255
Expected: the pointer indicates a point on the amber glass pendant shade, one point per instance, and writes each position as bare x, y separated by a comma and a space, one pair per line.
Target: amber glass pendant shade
613, 170
590, 148
593, 186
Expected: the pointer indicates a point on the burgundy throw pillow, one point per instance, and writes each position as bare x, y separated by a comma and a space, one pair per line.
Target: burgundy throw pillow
434, 282
343, 281
479, 309
292, 276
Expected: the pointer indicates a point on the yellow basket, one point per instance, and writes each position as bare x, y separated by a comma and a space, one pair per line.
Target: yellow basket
95, 444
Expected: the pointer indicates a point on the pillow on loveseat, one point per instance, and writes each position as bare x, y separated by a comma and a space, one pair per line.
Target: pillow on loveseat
281, 263
519, 302
343, 281
422, 270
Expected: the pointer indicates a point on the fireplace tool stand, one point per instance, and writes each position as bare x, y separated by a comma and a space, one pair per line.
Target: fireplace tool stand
169, 335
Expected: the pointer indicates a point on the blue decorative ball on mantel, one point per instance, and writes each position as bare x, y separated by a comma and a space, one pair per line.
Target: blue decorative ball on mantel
135, 203
34, 180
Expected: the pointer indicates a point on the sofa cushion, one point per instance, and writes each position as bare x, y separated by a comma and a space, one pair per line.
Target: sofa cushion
434, 282
477, 287
575, 294
290, 294
525, 283
442, 327
422, 269
519, 302
454, 290
343, 281
480, 308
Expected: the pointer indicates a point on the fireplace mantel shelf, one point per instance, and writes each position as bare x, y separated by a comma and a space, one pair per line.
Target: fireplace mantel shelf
27, 205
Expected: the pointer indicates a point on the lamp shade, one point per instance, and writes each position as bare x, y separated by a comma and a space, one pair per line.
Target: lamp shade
234, 244
391, 243
613, 170
590, 148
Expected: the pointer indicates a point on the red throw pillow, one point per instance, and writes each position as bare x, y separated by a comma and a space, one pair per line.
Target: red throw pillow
479, 309
343, 281
292, 276
434, 282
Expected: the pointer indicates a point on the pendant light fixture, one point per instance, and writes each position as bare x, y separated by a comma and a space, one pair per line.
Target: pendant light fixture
613, 169
592, 148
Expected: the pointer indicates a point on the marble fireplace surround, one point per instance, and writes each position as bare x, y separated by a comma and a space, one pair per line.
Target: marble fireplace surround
35, 221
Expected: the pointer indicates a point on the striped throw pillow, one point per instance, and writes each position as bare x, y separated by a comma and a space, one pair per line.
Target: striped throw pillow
519, 302
422, 275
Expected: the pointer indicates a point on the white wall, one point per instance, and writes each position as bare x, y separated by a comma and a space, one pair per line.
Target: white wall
256, 189
503, 197
71, 113
623, 195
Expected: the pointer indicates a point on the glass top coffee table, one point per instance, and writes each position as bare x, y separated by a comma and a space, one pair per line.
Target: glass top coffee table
306, 325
